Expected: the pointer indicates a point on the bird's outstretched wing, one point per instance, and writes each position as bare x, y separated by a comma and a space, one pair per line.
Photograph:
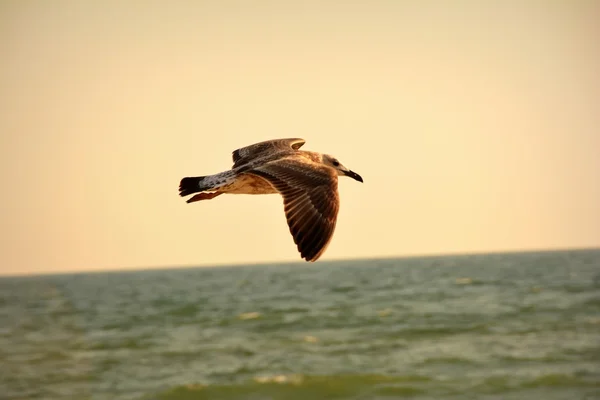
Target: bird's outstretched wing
246, 154
310, 199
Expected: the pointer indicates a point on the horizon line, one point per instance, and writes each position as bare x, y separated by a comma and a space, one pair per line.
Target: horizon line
300, 263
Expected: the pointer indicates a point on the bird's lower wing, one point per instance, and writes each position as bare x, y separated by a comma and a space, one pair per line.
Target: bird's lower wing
311, 202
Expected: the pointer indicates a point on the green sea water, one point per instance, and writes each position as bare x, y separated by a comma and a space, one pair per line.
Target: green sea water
501, 326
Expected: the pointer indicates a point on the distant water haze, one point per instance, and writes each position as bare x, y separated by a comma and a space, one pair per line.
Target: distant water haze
474, 125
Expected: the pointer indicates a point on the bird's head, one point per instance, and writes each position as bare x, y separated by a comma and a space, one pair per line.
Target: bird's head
333, 162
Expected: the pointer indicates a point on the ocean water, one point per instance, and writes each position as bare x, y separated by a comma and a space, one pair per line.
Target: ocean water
502, 326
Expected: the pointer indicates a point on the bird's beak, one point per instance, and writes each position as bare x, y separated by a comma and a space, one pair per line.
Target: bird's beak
353, 175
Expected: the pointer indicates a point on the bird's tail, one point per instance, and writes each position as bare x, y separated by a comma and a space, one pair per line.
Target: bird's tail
209, 183
191, 185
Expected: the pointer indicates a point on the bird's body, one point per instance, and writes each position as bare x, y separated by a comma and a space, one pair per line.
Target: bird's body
307, 181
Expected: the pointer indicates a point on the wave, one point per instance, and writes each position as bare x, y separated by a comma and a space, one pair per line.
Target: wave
300, 387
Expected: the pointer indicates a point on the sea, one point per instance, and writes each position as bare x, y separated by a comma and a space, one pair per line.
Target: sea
495, 326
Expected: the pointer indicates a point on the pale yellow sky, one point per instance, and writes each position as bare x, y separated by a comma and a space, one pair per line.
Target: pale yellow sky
475, 124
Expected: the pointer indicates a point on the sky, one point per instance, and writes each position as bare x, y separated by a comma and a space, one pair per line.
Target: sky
475, 125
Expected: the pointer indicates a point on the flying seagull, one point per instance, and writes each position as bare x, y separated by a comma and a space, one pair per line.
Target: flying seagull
307, 181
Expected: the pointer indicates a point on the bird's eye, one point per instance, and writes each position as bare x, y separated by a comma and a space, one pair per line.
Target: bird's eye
336, 163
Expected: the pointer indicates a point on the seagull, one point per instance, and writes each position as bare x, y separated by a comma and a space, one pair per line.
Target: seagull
306, 180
